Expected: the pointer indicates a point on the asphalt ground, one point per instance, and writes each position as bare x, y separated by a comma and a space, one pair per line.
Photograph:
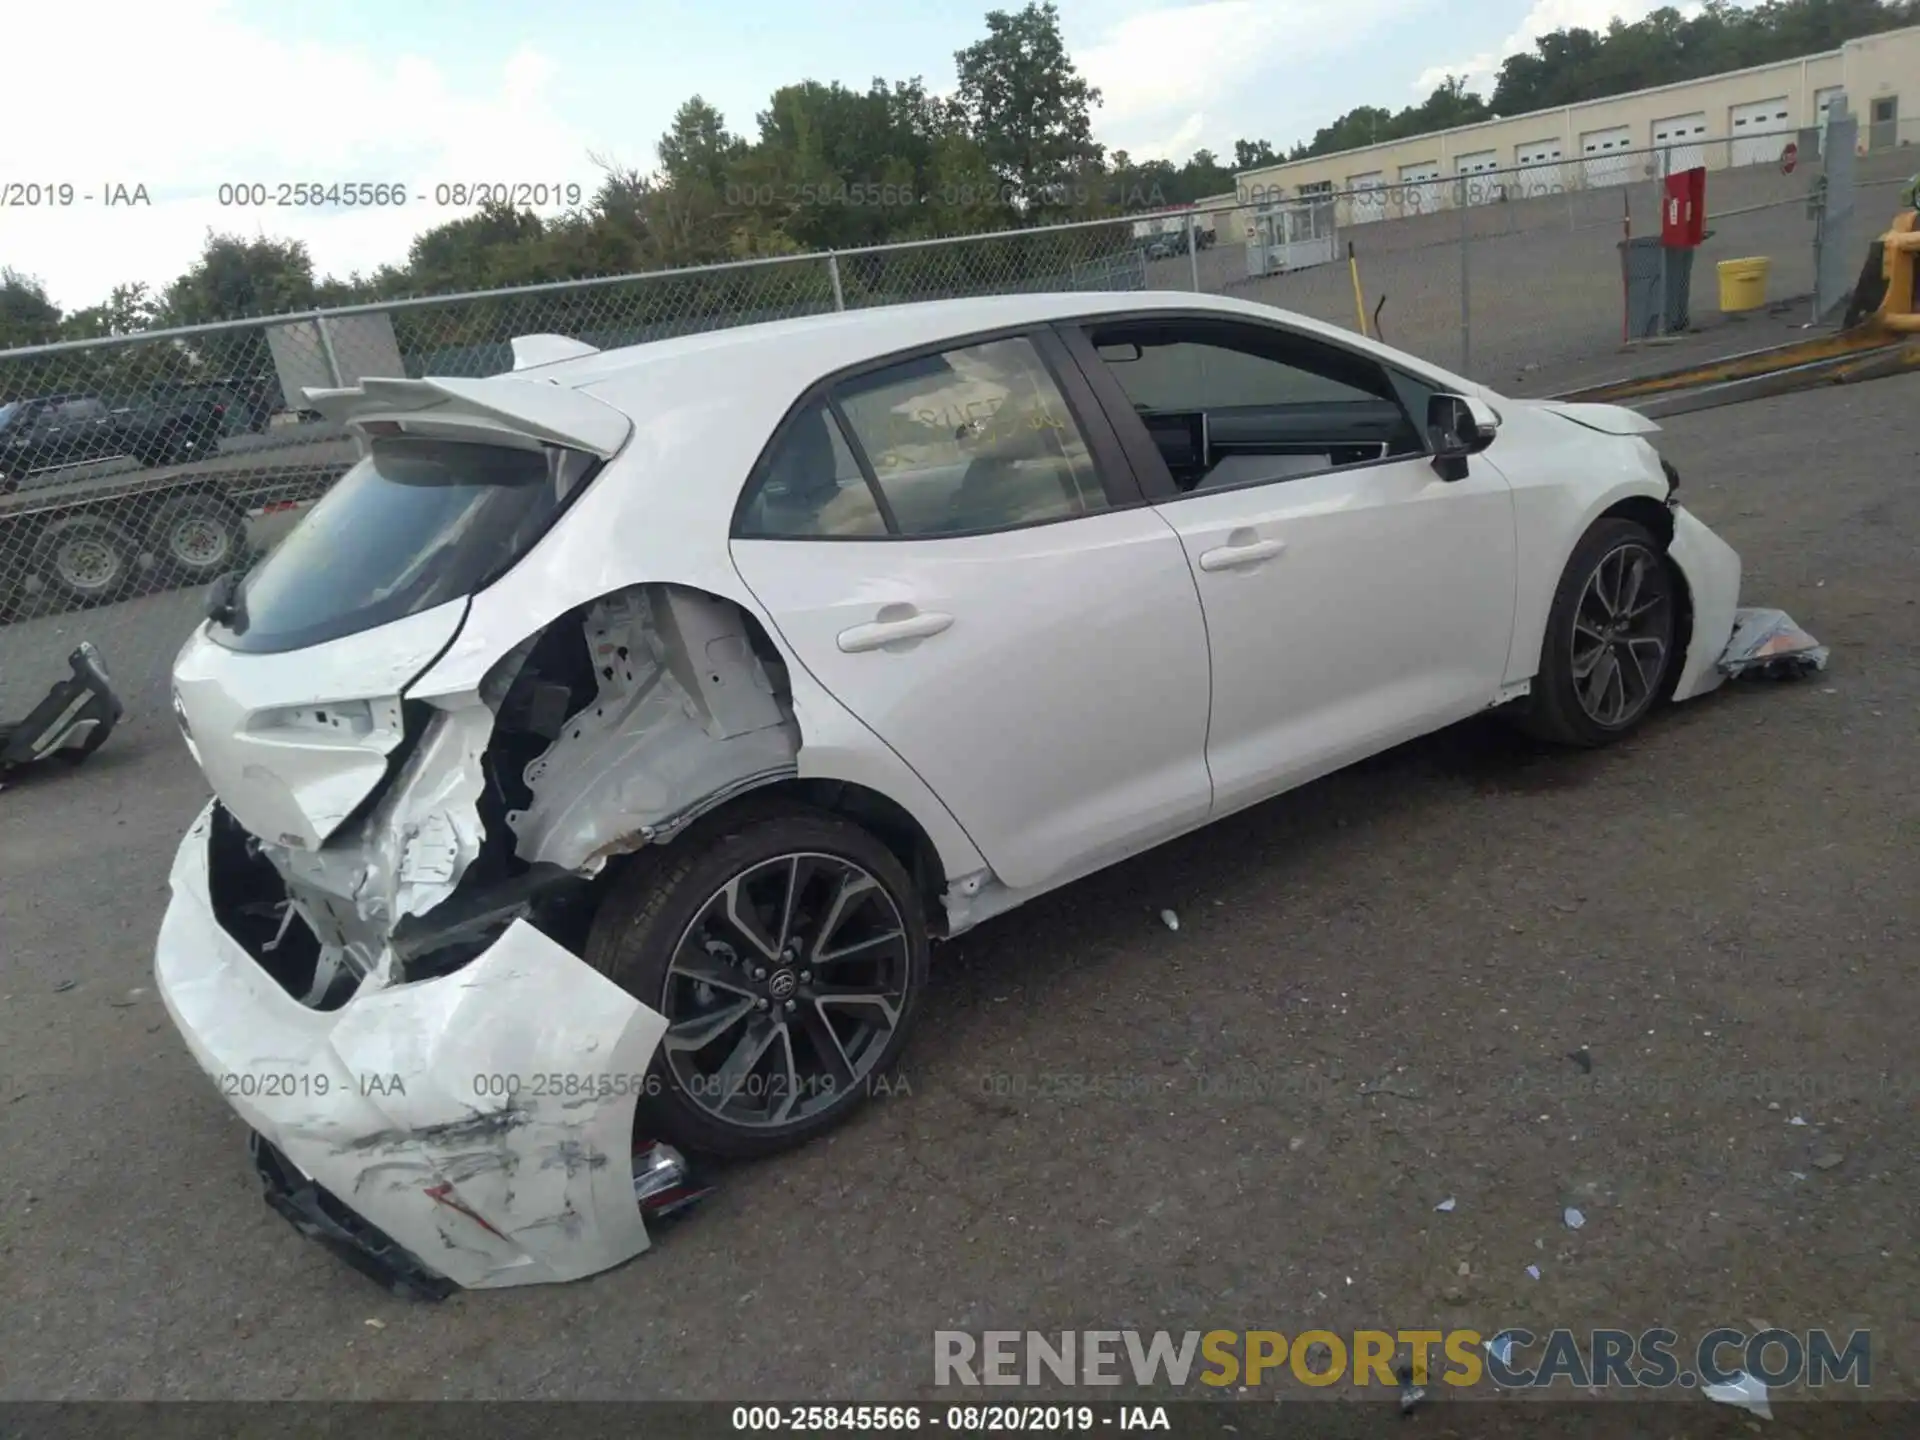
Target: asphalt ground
1105, 1123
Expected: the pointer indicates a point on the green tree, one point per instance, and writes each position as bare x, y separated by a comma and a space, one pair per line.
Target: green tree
1249, 154
27, 316
236, 277
1028, 107
472, 253
128, 310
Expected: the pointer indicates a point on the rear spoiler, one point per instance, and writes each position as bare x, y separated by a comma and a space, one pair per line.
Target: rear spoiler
500, 405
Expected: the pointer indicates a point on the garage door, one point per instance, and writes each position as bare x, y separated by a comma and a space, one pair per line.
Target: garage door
1757, 131
1603, 157
1683, 138
1482, 163
1420, 187
1543, 175
1366, 199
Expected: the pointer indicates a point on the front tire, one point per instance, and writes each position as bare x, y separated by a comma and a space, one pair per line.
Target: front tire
787, 950
1611, 645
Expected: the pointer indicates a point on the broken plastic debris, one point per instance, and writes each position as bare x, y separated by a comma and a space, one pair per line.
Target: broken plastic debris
1768, 643
1573, 1218
1583, 1058
660, 1182
1410, 1393
376, 1324
1743, 1390
1445, 1207
1171, 920
1534, 1271
1797, 1120
1500, 1347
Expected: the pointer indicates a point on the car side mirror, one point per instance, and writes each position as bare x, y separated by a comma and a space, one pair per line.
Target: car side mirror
1458, 426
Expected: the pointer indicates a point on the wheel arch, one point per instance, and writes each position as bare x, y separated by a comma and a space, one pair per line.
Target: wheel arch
881, 816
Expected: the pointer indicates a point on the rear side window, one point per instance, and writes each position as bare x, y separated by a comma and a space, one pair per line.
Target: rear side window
972, 439
812, 485
414, 524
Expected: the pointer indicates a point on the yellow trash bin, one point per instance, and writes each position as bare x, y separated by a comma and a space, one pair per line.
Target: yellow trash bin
1743, 283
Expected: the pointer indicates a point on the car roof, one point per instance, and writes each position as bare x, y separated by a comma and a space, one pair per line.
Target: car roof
821, 344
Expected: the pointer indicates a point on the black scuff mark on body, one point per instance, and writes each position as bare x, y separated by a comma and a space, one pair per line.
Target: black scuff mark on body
488, 1125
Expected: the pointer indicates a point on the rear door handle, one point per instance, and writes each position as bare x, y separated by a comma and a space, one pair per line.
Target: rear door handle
1238, 557
917, 626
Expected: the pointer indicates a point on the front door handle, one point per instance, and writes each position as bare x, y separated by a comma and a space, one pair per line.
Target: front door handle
1239, 556
917, 626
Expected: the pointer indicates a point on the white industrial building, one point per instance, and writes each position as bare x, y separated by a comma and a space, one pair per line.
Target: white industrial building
1744, 117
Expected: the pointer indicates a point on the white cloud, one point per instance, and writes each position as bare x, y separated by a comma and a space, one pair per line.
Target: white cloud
1544, 18
1161, 69
1179, 145
186, 96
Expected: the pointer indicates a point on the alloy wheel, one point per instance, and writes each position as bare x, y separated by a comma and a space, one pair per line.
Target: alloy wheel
1622, 636
784, 991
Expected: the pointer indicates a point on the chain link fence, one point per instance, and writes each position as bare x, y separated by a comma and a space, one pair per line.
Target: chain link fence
139, 468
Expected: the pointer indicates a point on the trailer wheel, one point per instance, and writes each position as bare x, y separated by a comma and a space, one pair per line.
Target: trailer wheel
88, 558
197, 537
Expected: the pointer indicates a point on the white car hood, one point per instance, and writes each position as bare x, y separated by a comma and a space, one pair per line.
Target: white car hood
1607, 419
293, 743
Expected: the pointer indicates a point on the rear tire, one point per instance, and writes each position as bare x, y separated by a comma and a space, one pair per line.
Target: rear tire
773, 1037
1612, 641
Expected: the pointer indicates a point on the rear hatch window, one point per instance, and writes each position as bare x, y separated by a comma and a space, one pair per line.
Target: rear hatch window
416, 523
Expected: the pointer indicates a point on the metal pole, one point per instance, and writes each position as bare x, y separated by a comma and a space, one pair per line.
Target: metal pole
833, 274
1466, 285
326, 348
1193, 249
1666, 169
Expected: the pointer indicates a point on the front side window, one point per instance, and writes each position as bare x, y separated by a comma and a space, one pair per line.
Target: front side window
978, 438
414, 524
1228, 406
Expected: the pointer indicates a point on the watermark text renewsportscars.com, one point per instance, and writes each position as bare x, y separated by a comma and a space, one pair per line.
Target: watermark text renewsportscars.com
1517, 1359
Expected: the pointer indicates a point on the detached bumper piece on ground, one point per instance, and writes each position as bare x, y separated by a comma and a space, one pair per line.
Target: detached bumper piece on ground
1766, 644
71, 723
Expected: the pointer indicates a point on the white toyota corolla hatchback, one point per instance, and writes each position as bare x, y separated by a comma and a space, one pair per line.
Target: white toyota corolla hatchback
595, 762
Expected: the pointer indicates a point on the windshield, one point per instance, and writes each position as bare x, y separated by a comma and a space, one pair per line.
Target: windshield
413, 525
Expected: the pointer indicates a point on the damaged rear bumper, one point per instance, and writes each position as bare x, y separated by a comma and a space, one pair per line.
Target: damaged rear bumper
480, 1124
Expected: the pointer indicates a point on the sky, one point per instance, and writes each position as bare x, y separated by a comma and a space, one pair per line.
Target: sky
182, 97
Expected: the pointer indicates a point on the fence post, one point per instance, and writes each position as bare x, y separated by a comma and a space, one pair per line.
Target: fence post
326, 348
1466, 284
1193, 247
1666, 169
833, 274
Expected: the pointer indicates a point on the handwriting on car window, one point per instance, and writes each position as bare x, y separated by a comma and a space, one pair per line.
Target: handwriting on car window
912, 438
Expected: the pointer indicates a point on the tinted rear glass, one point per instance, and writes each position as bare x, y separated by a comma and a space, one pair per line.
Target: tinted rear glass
414, 524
